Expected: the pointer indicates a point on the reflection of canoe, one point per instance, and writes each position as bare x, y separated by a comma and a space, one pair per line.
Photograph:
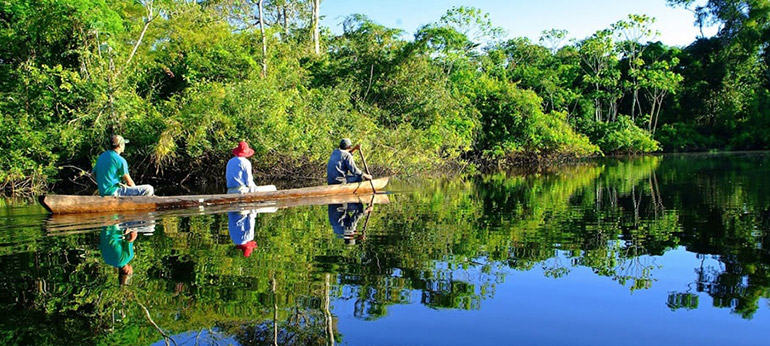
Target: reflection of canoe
68, 204
58, 223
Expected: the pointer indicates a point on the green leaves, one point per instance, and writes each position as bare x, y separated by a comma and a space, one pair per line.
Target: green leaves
188, 85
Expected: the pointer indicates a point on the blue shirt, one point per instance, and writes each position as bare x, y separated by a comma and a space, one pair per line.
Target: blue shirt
109, 168
238, 173
241, 226
339, 165
345, 217
116, 251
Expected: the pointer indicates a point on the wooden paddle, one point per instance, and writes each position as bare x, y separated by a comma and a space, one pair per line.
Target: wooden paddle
366, 167
363, 159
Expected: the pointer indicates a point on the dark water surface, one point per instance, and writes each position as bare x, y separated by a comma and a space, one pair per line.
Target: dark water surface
645, 251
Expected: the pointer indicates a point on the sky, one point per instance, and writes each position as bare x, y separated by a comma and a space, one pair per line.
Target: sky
523, 17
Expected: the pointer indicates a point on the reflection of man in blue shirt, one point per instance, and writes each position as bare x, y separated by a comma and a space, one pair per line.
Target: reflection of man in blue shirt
117, 248
241, 227
344, 220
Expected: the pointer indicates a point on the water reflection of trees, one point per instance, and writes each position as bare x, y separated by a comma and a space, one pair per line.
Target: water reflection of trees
447, 245
725, 219
609, 218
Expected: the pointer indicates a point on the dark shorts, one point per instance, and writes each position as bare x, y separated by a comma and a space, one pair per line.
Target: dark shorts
348, 179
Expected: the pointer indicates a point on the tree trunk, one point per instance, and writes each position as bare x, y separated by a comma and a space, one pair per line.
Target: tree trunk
652, 115
285, 23
264, 39
657, 111
316, 31
275, 298
327, 313
597, 105
597, 111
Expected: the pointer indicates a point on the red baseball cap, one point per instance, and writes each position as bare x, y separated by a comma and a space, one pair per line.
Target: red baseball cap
243, 150
247, 248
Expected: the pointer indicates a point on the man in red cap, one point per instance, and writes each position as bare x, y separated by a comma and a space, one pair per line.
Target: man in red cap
241, 227
238, 172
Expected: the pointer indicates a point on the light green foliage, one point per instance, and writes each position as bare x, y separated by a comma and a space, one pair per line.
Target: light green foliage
658, 80
601, 76
472, 23
621, 136
514, 125
184, 81
634, 33
550, 75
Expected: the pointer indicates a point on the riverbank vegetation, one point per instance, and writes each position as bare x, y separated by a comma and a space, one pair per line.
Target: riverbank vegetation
184, 81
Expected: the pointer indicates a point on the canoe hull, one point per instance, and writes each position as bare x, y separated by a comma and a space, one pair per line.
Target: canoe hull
70, 204
62, 223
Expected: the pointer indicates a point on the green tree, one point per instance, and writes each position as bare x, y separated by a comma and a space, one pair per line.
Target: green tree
632, 33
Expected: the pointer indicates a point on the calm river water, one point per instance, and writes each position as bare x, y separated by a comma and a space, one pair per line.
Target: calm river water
644, 251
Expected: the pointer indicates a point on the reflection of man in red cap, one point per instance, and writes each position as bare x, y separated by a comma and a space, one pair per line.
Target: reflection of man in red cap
238, 172
241, 227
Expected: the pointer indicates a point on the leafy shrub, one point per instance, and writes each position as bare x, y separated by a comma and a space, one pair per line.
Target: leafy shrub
513, 123
682, 137
621, 137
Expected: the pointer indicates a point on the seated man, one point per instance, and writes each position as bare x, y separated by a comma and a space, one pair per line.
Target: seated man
344, 220
111, 171
117, 247
341, 168
238, 174
241, 227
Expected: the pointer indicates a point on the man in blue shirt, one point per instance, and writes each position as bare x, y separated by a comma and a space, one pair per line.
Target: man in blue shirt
238, 174
111, 172
117, 247
344, 220
341, 168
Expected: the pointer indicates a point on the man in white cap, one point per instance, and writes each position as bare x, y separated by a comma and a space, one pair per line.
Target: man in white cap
111, 172
341, 168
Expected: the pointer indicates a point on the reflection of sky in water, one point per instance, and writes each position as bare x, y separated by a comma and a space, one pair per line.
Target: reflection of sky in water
581, 308
204, 337
546, 259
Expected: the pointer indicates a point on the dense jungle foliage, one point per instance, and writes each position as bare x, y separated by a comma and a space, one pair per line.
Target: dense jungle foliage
184, 81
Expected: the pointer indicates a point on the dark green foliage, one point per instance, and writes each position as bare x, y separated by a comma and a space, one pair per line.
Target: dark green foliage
184, 81
683, 137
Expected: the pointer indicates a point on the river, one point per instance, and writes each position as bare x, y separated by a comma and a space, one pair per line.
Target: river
651, 250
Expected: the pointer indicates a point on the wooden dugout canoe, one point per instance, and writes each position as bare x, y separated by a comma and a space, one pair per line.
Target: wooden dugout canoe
58, 224
70, 204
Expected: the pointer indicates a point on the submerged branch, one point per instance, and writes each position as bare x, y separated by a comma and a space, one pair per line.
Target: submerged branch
166, 337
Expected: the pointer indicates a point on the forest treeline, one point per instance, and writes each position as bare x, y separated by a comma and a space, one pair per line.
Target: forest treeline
186, 80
